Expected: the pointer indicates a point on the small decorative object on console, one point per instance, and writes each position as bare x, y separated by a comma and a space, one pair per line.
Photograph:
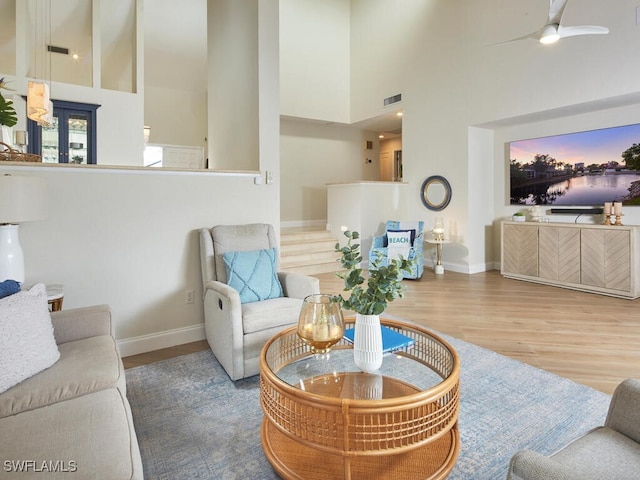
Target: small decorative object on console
611, 210
536, 214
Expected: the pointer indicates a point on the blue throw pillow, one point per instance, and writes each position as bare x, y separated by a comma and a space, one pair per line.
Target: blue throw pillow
9, 287
253, 274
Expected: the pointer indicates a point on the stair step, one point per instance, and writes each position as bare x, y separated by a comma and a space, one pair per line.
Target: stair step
304, 237
310, 258
308, 251
301, 247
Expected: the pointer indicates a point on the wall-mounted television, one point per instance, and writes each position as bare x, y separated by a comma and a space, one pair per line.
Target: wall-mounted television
582, 168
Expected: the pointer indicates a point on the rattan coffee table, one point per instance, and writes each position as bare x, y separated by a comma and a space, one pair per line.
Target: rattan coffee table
325, 419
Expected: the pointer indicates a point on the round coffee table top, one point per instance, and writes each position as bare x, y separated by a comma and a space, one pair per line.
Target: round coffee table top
405, 371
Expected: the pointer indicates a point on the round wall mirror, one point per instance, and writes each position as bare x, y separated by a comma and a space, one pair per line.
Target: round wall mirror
435, 193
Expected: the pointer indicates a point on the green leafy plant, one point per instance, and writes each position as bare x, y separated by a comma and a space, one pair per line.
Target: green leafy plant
382, 287
8, 114
519, 214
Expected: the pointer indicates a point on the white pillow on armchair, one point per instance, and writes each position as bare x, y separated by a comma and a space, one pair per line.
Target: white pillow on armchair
27, 344
398, 244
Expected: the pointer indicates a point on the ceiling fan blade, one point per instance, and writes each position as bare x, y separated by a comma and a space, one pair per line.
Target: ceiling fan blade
533, 35
556, 10
581, 30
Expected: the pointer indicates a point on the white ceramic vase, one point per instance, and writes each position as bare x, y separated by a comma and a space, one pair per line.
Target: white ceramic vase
367, 343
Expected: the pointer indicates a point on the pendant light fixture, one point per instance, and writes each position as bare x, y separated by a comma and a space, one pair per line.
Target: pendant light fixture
39, 104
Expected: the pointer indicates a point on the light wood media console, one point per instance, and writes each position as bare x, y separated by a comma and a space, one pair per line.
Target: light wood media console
592, 258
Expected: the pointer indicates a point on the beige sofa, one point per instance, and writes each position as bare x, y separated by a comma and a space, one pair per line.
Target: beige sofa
74, 416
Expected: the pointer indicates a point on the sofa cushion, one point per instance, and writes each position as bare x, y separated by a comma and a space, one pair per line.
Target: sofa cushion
253, 274
271, 313
85, 366
27, 344
602, 453
91, 436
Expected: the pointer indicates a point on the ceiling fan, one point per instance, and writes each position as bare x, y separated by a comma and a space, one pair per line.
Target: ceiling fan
553, 30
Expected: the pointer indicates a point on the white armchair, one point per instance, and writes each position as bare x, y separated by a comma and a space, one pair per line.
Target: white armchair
611, 451
237, 331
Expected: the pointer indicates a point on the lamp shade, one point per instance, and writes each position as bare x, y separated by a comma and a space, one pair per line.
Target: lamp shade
21, 199
39, 106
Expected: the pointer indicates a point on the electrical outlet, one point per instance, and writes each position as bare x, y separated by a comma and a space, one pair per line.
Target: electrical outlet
188, 296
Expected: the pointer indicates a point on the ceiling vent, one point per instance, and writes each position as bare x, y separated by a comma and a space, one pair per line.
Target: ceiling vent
54, 49
391, 100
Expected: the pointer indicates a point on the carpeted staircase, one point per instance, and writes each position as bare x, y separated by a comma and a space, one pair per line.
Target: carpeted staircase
307, 250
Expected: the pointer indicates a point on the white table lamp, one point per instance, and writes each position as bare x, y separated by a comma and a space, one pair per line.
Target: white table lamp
21, 200
438, 229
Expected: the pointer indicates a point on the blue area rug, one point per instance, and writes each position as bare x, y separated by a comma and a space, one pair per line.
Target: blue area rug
194, 423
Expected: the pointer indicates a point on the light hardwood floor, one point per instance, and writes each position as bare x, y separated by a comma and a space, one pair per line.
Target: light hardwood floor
592, 339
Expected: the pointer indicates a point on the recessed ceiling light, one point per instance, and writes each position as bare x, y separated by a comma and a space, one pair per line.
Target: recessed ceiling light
380, 136
399, 114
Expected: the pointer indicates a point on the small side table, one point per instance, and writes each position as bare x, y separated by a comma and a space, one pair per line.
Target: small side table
439, 268
55, 296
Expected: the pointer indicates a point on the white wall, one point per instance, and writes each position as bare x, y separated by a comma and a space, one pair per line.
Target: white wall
364, 207
386, 39
128, 239
118, 45
314, 154
315, 59
233, 129
166, 108
8, 36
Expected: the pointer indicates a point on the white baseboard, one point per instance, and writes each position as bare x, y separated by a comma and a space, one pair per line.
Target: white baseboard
303, 223
468, 269
157, 341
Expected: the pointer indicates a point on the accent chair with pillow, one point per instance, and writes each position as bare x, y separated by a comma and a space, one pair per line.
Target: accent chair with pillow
608, 452
246, 299
400, 239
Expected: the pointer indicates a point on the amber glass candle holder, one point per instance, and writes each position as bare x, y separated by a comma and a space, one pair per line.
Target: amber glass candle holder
320, 324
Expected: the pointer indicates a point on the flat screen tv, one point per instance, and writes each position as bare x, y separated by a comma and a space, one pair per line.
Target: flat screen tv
578, 169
